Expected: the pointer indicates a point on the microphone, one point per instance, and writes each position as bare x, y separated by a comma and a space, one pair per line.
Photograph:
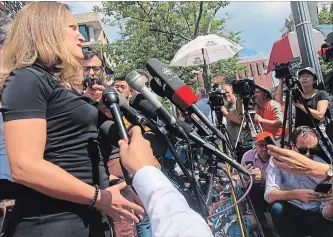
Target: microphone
178, 92
110, 99
173, 87
139, 103
134, 116
159, 91
135, 80
197, 139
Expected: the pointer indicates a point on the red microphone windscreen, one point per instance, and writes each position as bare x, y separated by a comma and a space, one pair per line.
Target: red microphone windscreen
184, 97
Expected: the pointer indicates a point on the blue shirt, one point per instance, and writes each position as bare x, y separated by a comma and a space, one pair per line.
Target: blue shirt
277, 179
204, 107
4, 165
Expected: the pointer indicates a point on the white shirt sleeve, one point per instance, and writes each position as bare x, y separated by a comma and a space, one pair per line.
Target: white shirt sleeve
168, 211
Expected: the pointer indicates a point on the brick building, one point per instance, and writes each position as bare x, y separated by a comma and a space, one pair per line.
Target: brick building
256, 68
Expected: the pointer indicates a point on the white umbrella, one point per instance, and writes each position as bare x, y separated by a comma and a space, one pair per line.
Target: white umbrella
209, 48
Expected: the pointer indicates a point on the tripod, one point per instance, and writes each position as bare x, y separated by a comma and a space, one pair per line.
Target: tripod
293, 91
225, 146
248, 116
290, 90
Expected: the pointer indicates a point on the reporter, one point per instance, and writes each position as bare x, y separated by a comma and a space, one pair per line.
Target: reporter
295, 163
168, 211
51, 131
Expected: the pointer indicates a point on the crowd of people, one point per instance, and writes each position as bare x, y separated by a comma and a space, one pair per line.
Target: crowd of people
61, 156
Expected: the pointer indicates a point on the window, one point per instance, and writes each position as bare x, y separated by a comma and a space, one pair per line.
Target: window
84, 31
263, 65
253, 73
258, 68
245, 73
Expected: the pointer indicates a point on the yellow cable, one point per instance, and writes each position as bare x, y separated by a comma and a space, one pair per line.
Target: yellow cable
235, 200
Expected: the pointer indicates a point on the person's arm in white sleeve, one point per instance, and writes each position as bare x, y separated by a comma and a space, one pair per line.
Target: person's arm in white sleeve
169, 213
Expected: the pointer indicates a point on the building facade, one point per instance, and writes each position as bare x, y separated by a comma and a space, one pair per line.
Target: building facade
257, 69
92, 29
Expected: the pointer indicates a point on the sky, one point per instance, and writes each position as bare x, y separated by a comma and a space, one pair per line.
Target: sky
259, 22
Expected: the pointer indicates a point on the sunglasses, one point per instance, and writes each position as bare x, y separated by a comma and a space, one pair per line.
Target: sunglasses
305, 150
94, 68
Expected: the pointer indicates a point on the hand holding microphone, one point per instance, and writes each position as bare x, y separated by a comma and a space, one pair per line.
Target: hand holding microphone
138, 153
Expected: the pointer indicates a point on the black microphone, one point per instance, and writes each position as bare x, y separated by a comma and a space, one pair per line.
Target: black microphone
178, 92
110, 99
139, 103
157, 88
190, 133
132, 115
201, 142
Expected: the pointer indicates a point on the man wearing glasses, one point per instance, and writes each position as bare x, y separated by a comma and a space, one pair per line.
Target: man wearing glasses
232, 111
297, 210
256, 161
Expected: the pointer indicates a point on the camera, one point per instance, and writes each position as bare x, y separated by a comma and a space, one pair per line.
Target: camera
216, 96
88, 81
287, 70
328, 54
244, 87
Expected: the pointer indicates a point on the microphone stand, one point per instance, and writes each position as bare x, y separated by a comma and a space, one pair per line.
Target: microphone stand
223, 129
203, 208
293, 91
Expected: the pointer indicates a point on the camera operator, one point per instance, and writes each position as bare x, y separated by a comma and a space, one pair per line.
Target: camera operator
296, 208
317, 101
94, 80
203, 103
256, 160
268, 112
231, 111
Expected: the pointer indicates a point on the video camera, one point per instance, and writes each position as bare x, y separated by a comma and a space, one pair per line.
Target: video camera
244, 89
328, 47
287, 70
215, 97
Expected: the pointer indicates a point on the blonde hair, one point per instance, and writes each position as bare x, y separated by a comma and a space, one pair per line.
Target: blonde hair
36, 36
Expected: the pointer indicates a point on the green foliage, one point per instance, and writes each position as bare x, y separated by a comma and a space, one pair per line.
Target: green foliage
228, 68
159, 29
325, 16
327, 70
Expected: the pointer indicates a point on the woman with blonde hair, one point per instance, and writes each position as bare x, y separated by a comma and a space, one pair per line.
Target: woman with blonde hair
51, 131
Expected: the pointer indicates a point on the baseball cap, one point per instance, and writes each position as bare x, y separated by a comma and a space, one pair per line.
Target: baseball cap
261, 136
307, 69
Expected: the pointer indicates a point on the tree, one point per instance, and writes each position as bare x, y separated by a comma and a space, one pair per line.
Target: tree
325, 16
159, 29
14, 6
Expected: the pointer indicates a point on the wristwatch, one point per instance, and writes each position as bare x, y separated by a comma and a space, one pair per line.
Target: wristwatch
329, 173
